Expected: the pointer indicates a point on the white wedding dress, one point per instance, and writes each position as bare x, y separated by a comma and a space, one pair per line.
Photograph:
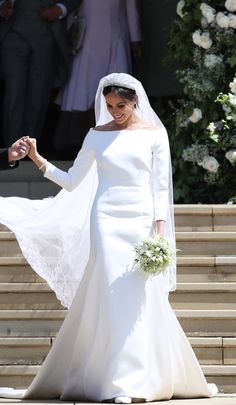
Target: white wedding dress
120, 336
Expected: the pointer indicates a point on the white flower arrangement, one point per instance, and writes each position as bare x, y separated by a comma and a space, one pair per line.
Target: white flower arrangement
232, 86
211, 127
222, 20
207, 63
196, 115
211, 60
179, 8
195, 153
154, 254
208, 12
202, 39
232, 99
232, 20
230, 5
210, 164
231, 156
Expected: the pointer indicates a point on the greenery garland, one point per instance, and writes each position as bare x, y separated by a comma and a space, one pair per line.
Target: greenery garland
203, 125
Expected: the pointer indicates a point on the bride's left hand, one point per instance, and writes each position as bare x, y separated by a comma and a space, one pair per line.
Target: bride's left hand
32, 143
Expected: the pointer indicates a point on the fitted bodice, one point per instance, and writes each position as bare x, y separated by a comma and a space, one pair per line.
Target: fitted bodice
123, 158
137, 159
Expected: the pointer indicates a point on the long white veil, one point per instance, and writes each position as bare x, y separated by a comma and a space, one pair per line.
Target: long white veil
54, 234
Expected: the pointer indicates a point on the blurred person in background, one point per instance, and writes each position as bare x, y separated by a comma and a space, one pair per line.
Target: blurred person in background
109, 41
34, 57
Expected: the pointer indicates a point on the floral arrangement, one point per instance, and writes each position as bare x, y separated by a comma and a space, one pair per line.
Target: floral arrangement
154, 254
203, 126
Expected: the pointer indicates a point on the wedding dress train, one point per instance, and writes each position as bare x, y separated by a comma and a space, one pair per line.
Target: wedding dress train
120, 336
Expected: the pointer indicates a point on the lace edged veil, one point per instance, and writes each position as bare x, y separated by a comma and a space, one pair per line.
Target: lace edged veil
54, 233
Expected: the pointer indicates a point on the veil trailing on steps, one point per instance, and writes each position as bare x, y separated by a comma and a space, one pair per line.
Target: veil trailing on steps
54, 233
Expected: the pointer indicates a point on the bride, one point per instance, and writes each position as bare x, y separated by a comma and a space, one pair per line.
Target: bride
120, 340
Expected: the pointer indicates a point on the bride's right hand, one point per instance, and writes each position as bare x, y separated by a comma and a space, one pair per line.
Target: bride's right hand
33, 152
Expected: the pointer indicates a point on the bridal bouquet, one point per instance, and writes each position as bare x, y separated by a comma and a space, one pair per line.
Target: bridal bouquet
154, 254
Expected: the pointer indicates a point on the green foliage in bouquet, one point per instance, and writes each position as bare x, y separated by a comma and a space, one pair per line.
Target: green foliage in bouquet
154, 254
203, 125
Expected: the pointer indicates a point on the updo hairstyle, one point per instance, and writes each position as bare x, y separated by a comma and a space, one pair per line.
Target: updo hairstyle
124, 92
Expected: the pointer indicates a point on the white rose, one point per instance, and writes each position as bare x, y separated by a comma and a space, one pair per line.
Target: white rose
232, 86
196, 115
205, 40
179, 9
202, 39
230, 5
232, 20
231, 155
196, 37
222, 20
210, 163
211, 60
232, 99
208, 12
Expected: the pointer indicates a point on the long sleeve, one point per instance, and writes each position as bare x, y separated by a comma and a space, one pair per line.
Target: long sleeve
161, 175
83, 162
4, 163
133, 20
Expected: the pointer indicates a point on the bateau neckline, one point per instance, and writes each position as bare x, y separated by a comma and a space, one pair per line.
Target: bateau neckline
127, 130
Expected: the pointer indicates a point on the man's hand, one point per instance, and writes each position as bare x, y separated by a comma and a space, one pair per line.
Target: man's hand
51, 13
18, 150
6, 9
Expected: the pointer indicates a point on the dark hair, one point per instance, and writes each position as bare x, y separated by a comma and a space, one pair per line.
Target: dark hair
123, 92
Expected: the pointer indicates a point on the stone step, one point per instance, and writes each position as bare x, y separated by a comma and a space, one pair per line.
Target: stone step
204, 296
8, 245
27, 296
17, 270
24, 351
188, 243
44, 323
197, 217
190, 269
187, 296
193, 217
214, 350
223, 376
30, 323
206, 269
29, 351
20, 376
208, 322
206, 243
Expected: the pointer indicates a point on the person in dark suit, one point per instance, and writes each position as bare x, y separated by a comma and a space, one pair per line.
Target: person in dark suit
34, 57
9, 157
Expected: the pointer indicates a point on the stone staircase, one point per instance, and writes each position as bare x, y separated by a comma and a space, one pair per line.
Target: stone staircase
205, 299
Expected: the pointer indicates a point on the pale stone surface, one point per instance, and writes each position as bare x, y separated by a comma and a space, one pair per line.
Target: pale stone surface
193, 223
208, 322
205, 245
230, 355
23, 351
231, 400
193, 209
27, 296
